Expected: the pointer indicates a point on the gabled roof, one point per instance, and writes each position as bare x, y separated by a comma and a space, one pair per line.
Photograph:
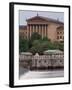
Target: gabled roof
45, 19
22, 27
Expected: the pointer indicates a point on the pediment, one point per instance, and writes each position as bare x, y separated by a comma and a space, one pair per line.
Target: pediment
37, 19
43, 19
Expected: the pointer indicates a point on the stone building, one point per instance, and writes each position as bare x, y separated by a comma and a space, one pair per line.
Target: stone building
46, 27
23, 31
60, 33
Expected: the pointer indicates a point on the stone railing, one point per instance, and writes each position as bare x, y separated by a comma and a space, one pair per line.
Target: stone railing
31, 57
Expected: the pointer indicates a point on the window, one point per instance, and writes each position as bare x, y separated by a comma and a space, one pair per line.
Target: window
57, 37
60, 37
60, 32
57, 32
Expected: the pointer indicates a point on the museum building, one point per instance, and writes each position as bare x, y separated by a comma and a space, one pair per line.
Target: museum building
46, 27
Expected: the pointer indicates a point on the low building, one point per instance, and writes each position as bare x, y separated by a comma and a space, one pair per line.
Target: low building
23, 31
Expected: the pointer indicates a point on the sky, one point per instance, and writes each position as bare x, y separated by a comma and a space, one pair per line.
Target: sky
23, 15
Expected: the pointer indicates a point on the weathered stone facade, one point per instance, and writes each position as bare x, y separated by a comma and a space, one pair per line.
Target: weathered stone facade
42, 61
46, 27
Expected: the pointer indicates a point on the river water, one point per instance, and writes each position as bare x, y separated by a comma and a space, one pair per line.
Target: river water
27, 74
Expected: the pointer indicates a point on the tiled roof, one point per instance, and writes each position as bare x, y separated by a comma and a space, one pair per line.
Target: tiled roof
46, 19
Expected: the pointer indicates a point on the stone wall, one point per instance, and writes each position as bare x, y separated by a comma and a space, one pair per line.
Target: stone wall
42, 61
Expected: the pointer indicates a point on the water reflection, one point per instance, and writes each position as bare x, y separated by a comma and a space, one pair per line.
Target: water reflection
27, 74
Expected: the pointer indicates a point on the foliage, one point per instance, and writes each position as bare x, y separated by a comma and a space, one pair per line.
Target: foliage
36, 44
35, 36
45, 39
23, 45
61, 46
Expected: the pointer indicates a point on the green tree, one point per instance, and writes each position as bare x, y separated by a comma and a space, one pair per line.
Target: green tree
35, 36
61, 46
23, 45
39, 46
46, 39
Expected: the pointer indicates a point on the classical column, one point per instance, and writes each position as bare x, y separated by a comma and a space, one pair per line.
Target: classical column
45, 31
36, 28
33, 28
30, 30
39, 30
27, 30
42, 31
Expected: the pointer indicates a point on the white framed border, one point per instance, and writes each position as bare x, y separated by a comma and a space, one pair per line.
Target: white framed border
65, 79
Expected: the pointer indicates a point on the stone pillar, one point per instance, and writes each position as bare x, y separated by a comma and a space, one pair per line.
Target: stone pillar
30, 30
33, 28
45, 31
27, 30
42, 32
36, 28
39, 30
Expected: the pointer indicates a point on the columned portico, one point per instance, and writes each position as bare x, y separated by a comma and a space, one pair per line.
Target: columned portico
39, 28
46, 27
